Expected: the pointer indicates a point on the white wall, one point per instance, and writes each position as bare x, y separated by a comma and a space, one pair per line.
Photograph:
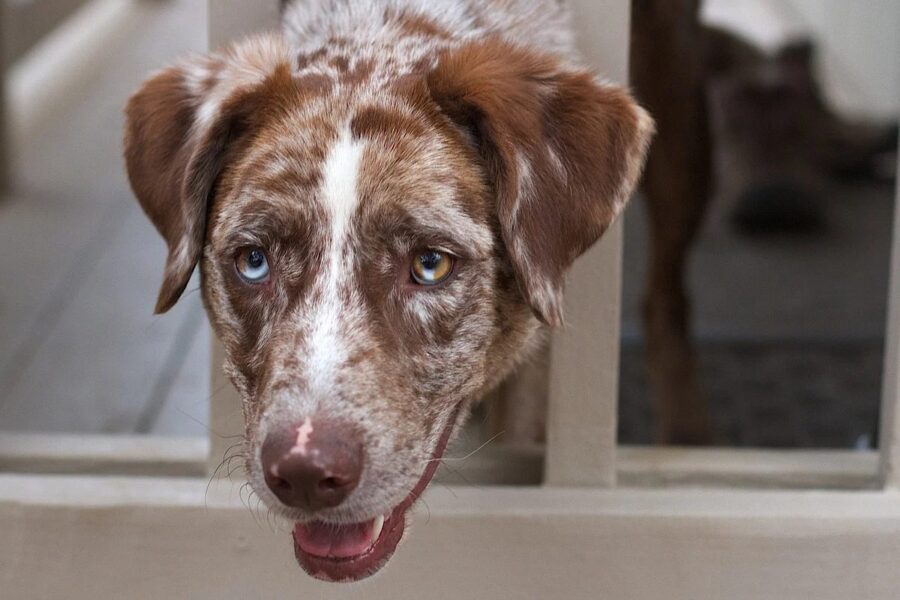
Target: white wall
859, 43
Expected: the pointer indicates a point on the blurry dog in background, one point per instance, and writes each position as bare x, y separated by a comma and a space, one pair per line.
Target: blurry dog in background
723, 105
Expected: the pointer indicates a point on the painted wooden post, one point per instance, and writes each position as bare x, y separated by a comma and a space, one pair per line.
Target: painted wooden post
584, 368
889, 438
4, 139
229, 20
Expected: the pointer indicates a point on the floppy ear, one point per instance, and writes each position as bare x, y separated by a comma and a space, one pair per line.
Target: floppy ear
178, 127
562, 150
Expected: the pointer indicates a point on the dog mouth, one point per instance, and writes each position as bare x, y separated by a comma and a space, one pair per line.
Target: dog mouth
333, 552
351, 552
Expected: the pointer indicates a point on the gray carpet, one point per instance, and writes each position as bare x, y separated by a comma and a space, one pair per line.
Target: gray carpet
771, 394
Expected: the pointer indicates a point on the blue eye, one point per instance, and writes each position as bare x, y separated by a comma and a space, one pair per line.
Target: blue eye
252, 265
431, 267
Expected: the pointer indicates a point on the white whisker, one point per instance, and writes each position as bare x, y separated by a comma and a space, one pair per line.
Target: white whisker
470, 454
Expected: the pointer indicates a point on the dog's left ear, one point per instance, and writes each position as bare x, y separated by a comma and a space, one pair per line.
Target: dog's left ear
562, 150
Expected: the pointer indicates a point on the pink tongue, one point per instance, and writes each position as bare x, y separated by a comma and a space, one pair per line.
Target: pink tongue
338, 541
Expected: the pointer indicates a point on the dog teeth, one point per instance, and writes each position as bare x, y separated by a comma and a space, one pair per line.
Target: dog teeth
377, 525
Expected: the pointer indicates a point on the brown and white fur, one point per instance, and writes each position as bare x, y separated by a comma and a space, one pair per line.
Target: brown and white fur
364, 133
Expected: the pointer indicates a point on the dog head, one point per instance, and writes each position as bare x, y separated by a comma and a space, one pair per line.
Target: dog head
379, 244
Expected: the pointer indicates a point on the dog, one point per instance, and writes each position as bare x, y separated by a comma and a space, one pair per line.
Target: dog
763, 122
666, 54
383, 200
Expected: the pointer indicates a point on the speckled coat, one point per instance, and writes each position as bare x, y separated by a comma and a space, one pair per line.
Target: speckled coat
367, 133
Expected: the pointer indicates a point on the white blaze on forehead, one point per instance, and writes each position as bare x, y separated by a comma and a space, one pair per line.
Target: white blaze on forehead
339, 197
341, 172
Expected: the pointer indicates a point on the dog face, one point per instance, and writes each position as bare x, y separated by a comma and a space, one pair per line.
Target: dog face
379, 244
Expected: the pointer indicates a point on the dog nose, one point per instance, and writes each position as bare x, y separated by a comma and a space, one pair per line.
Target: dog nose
313, 465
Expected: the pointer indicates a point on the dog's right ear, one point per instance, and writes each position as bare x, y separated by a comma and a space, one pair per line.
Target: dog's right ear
178, 128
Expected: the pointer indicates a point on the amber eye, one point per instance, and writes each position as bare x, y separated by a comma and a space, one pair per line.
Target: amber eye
252, 265
431, 267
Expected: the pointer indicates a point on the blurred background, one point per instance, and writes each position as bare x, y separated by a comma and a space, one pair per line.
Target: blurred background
788, 278
80, 350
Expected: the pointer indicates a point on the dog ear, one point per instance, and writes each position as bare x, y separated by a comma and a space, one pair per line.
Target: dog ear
178, 128
562, 150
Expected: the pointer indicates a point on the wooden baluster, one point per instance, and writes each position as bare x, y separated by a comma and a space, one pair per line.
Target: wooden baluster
230, 20
584, 366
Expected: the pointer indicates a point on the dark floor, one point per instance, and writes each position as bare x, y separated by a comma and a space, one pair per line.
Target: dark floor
771, 394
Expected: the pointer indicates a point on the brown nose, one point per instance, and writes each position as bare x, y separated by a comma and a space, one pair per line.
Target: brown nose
313, 465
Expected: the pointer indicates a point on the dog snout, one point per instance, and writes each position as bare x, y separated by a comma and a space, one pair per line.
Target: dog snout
313, 465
